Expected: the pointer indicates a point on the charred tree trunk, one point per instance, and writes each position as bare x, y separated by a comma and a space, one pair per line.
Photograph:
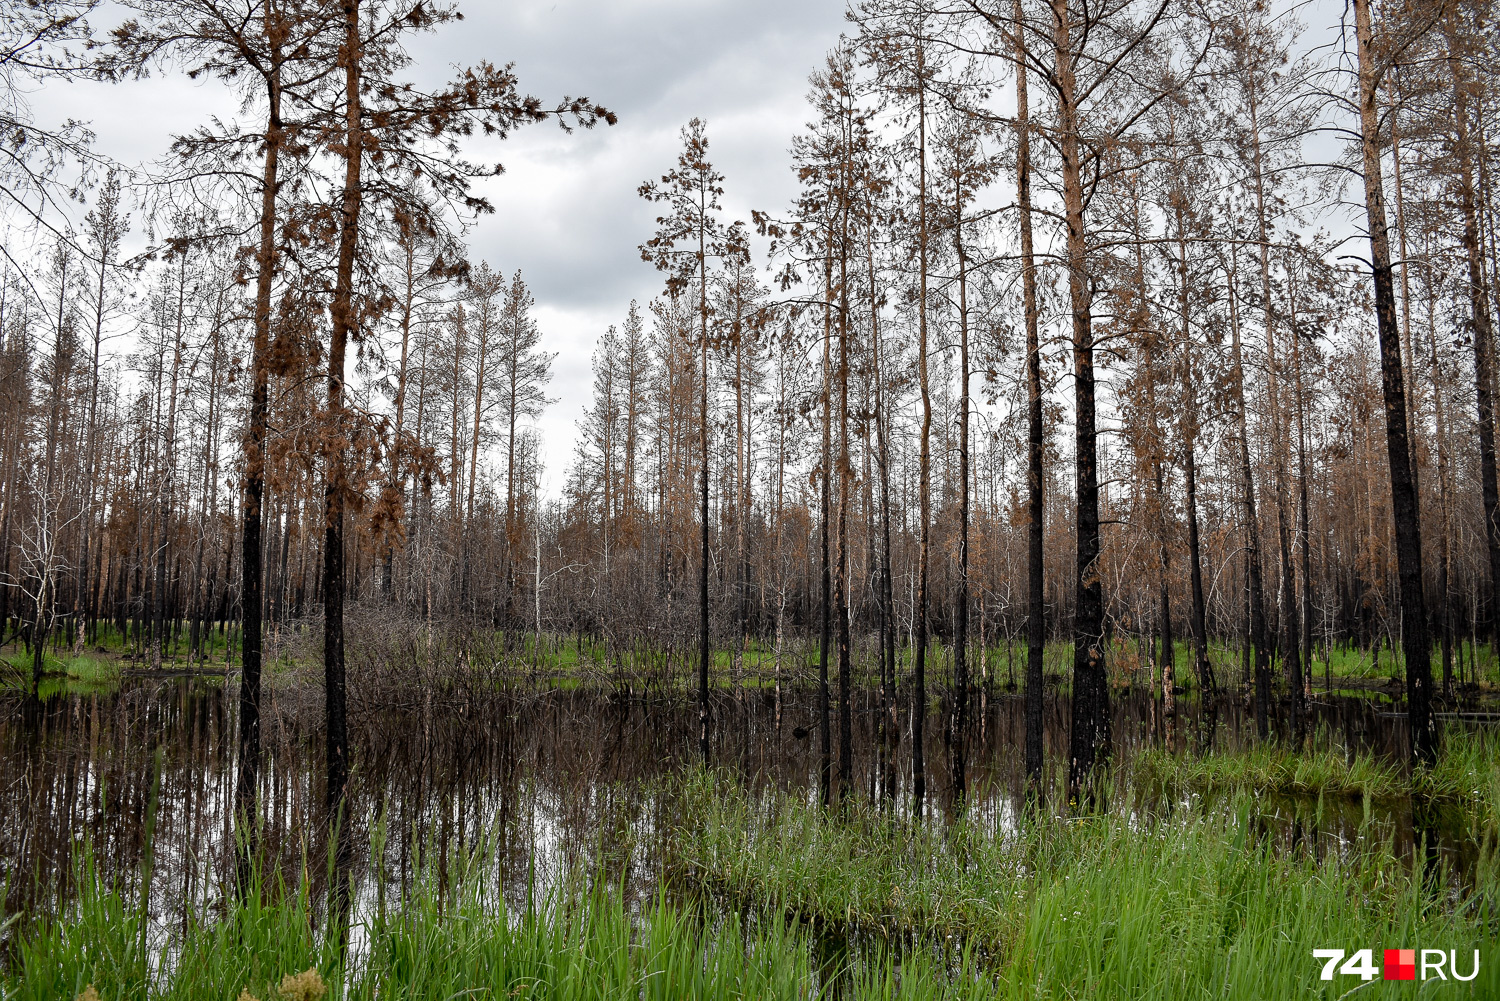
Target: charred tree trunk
1255, 591
1036, 624
335, 488
1483, 335
885, 597
247, 774
1089, 740
825, 511
961, 600
924, 465
1404, 508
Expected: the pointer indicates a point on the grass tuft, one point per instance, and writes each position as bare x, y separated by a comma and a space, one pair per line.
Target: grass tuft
1123, 905
1467, 773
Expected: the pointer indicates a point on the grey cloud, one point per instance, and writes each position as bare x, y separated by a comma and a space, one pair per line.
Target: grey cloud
567, 213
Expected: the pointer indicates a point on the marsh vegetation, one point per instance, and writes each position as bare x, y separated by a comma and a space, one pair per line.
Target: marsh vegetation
1055, 553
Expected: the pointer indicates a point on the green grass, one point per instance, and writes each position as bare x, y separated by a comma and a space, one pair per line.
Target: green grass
1191, 905
564, 660
769, 895
100, 940
1349, 661
80, 675
450, 938
98, 668
1467, 772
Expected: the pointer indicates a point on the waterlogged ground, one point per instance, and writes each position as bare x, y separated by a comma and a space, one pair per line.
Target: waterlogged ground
516, 821
553, 782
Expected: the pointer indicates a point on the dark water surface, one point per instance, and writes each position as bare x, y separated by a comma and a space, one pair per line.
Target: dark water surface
558, 779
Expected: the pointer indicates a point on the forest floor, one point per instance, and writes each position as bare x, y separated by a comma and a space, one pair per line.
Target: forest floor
561, 660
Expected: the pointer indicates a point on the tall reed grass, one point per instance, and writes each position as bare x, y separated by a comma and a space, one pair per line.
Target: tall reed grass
771, 895
1195, 904
451, 937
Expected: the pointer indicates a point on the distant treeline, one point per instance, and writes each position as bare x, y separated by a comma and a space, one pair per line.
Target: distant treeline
1054, 342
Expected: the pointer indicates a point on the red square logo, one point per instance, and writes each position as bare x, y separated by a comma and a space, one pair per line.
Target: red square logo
1400, 964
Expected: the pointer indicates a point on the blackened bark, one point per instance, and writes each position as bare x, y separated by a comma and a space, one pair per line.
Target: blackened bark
1304, 541
1189, 428
882, 457
1288, 589
841, 598
1036, 625
1254, 587
704, 652
1404, 509
825, 636
841, 602
924, 467
1483, 334
1089, 740
247, 774
335, 486
961, 602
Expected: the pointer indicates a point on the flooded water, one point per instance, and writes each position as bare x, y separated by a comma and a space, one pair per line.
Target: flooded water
559, 779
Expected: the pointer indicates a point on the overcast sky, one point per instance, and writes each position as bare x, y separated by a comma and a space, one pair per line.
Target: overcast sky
567, 213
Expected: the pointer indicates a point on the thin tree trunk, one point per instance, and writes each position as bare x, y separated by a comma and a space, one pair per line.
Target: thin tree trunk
1304, 539
1089, 740
825, 634
841, 599
1036, 624
961, 602
1404, 507
335, 485
1445, 557
251, 577
169, 479
396, 477
1288, 589
883, 463
703, 638
1189, 430
1256, 592
924, 465
1483, 335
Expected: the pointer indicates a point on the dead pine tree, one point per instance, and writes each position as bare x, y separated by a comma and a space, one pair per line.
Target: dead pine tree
276, 51
1099, 90
387, 134
1459, 58
1089, 740
525, 370
1266, 112
895, 33
1376, 56
1256, 637
1036, 622
1093, 59
968, 171
1185, 228
832, 163
688, 235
